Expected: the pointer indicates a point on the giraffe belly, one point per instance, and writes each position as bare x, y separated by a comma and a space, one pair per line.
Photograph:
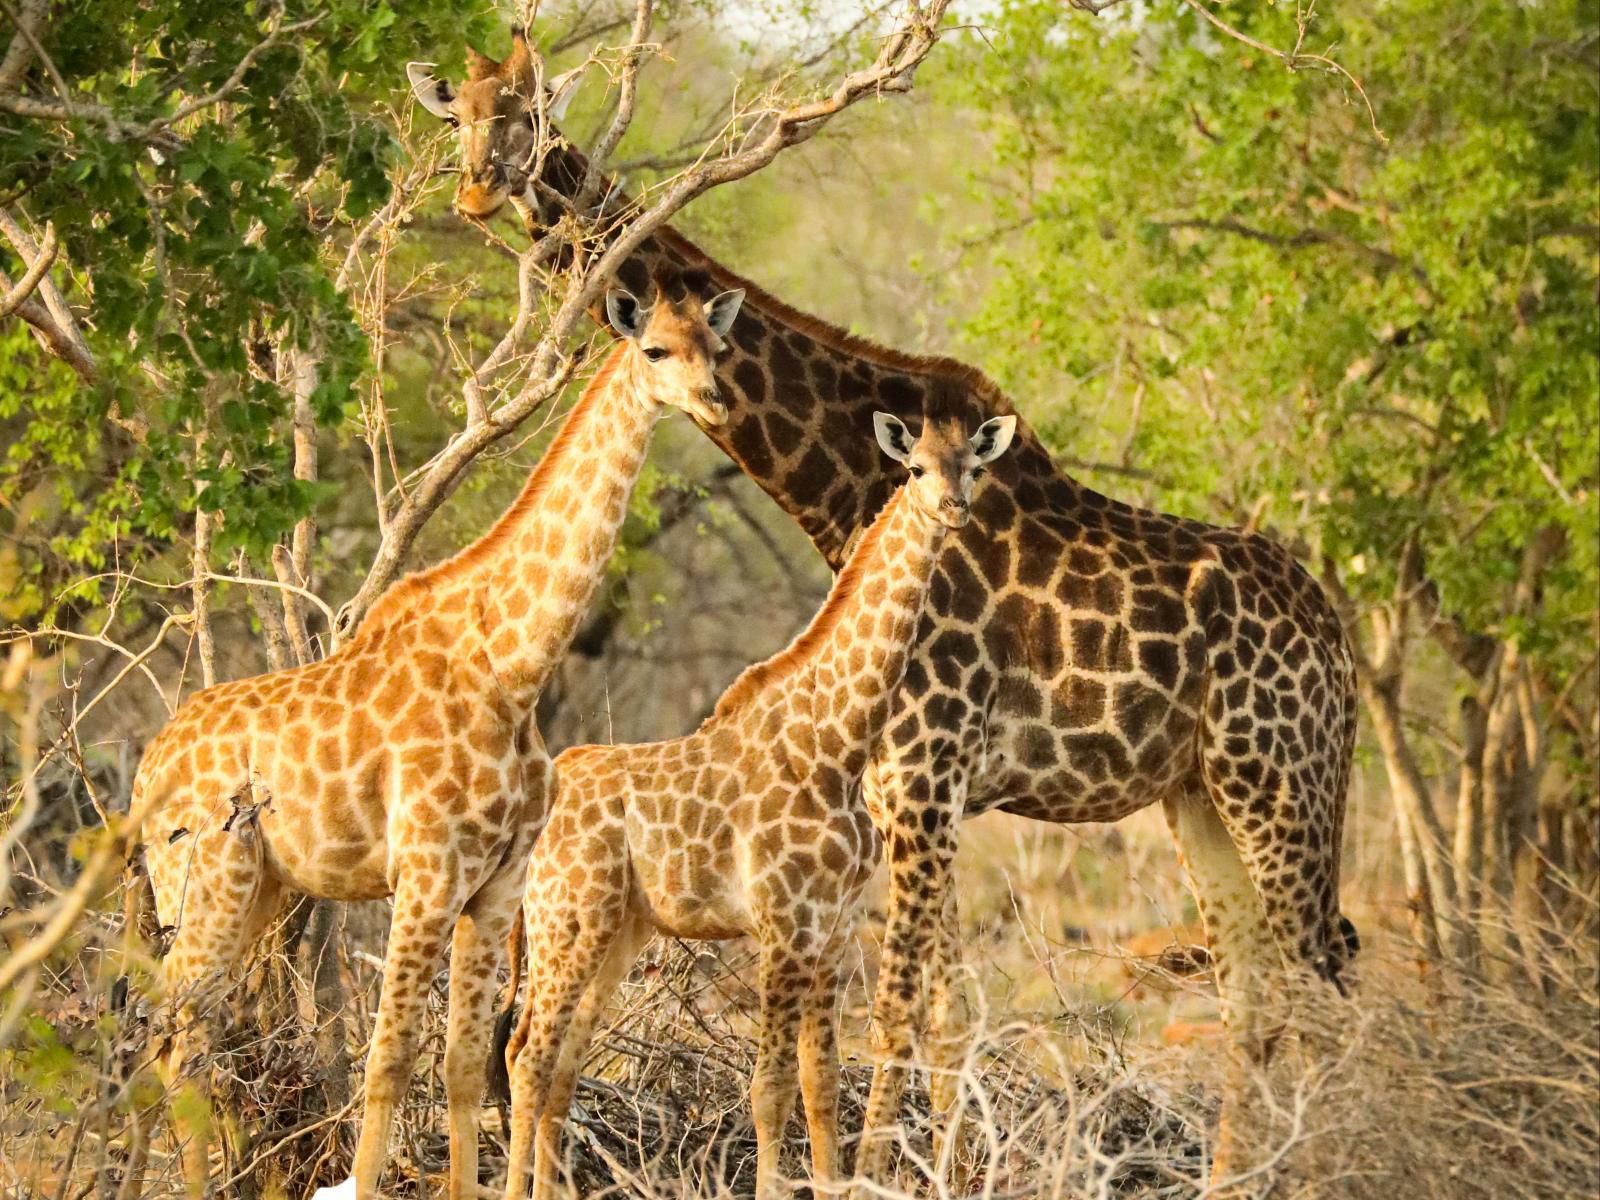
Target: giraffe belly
326, 832
332, 862
687, 891
1073, 775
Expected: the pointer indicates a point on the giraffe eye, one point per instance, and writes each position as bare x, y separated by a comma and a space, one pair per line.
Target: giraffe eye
977, 472
918, 472
654, 353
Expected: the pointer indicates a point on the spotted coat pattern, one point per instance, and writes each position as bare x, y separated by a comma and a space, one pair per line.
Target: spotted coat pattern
1079, 659
753, 824
406, 764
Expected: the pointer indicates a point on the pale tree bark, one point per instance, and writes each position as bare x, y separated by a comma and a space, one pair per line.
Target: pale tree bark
1429, 875
1431, 887
1467, 851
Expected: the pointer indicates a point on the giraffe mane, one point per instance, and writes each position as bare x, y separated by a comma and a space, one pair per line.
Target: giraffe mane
397, 600
758, 678
991, 398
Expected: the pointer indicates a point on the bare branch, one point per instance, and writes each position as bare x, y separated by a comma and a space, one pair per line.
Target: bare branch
1299, 239
275, 34
20, 52
52, 319
1292, 59
12, 300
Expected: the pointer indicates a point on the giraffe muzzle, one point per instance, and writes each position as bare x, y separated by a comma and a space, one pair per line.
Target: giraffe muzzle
708, 408
954, 513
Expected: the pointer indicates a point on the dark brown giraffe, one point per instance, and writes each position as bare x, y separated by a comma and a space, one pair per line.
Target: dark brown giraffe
1079, 659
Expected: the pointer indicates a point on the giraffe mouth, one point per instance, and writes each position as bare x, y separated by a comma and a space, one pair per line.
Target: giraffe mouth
712, 413
480, 203
953, 518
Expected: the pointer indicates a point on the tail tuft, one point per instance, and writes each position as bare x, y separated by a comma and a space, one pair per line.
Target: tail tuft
1342, 948
499, 1069
506, 1022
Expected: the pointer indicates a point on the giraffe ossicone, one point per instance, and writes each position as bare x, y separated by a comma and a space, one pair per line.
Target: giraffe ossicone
752, 825
407, 763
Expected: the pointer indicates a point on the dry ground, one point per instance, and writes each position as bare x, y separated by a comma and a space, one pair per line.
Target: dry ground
1095, 1072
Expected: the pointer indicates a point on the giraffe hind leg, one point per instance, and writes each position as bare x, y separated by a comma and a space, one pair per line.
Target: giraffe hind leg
570, 941
1245, 958
624, 952
210, 884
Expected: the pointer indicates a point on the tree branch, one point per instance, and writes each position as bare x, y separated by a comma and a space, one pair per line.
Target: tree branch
12, 300
552, 364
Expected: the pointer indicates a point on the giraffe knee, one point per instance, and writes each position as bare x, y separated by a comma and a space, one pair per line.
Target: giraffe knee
465, 1071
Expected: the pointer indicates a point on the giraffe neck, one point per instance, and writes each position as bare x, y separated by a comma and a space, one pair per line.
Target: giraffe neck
844, 667
536, 572
863, 657
801, 395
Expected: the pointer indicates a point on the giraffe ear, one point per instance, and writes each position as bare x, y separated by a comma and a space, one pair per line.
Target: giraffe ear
721, 310
433, 93
992, 438
562, 89
627, 316
894, 439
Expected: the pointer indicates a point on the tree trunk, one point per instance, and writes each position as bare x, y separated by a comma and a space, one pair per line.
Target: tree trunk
1430, 881
1468, 851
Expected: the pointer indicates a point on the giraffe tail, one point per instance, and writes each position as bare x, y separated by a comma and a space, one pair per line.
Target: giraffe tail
501, 1050
1343, 945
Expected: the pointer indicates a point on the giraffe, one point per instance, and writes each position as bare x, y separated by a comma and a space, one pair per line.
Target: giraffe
753, 824
407, 763
1079, 659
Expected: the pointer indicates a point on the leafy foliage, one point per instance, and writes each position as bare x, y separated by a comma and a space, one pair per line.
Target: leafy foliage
1219, 271
199, 237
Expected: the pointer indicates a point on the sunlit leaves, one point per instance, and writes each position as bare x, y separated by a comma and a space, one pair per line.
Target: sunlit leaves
1211, 266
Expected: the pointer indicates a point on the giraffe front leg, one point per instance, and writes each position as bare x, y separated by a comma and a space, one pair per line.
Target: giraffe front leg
919, 813
949, 1032
212, 885
185, 1057
1247, 966
475, 961
425, 910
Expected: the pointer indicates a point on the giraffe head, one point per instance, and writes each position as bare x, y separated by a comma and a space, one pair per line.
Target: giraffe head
496, 117
944, 462
673, 347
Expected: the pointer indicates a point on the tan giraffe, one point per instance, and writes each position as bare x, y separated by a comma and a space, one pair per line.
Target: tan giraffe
753, 824
1080, 659
407, 763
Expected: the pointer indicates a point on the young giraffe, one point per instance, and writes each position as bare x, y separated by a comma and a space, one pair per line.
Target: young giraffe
1080, 659
753, 824
407, 763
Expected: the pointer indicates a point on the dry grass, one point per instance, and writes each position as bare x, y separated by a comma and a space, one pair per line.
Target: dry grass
1092, 1072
